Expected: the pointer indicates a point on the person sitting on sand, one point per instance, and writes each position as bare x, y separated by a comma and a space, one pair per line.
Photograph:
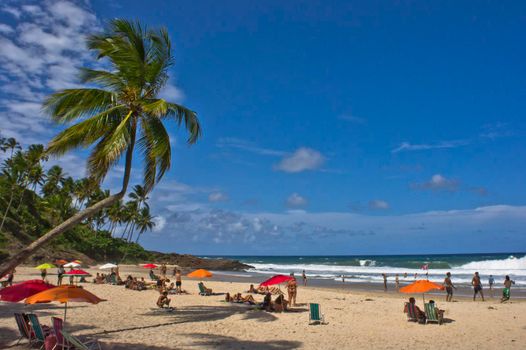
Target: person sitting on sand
252, 290
163, 300
440, 313
280, 304
207, 290
171, 288
267, 302
412, 304
228, 298
292, 289
152, 275
506, 292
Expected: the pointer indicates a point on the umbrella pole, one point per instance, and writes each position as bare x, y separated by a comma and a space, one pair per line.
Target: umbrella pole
65, 311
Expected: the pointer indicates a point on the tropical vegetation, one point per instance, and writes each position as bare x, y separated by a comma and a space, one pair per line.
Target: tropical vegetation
123, 116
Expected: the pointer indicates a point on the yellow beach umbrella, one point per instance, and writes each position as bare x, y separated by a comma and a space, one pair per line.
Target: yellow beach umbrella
45, 266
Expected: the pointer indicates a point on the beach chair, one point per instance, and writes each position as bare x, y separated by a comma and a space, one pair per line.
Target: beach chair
38, 334
23, 328
315, 315
432, 315
77, 344
57, 329
203, 290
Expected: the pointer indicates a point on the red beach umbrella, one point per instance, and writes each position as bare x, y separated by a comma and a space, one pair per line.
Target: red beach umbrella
24, 290
278, 279
149, 266
77, 273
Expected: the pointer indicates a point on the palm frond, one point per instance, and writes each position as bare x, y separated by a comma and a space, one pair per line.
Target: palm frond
181, 113
69, 104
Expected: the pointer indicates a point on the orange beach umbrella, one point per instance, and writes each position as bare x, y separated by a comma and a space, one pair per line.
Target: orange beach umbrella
64, 294
201, 273
421, 286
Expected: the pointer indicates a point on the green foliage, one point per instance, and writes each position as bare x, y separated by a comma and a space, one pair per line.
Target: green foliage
42, 199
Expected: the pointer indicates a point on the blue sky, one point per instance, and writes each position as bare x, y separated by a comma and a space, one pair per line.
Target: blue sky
329, 128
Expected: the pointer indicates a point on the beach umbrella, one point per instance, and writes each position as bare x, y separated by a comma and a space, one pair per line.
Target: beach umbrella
45, 266
72, 264
149, 266
61, 262
278, 279
421, 286
64, 294
77, 273
107, 266
201, 273
23, 290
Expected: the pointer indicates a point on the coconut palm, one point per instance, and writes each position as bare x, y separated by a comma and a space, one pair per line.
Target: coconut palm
13, 170
144, 222
124, 112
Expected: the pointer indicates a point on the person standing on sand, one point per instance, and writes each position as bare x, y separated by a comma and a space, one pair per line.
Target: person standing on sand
416, 276
43, 274
397, 282
60, 274
292, 289
10, 277
491, 282
506, 292
178, 282
477, 286
163, 269
304, 278
385, 281
449, 286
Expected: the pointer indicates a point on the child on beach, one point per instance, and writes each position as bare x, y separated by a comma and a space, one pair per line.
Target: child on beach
178, 281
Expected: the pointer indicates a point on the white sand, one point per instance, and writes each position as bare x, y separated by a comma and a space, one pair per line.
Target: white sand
130, 320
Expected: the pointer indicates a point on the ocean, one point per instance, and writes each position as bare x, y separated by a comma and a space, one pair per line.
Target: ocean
369, 268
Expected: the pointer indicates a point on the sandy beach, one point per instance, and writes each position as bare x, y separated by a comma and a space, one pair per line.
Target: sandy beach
356, 319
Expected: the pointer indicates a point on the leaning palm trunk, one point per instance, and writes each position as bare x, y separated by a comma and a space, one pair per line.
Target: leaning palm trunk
7, 210
26, 252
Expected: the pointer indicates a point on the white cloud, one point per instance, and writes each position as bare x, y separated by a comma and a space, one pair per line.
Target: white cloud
160, 223
439, 183
378, 204
296, 201
232, 142
407, 146
5, 29
40, 54
172, 93
217, 197
302, 159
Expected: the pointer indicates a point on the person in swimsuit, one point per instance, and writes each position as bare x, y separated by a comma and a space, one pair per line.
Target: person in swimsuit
178, 282
60, 274
477, 286
397, 282
43, 274
449, 286
292, 289
491, 282
507, 289
163, 269
304, 278
385, 281
163, 300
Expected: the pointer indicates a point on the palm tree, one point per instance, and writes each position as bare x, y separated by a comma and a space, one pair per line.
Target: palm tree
124, 112
13, 171
144, 222
55, 179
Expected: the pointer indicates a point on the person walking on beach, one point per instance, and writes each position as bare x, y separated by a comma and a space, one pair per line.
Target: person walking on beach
449, 286
60, 274
397, 283
10, 277
491, 282
178, 282
163, 269
506, 292
477, 286
43, 274
304, 278
385, 281
292, 289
